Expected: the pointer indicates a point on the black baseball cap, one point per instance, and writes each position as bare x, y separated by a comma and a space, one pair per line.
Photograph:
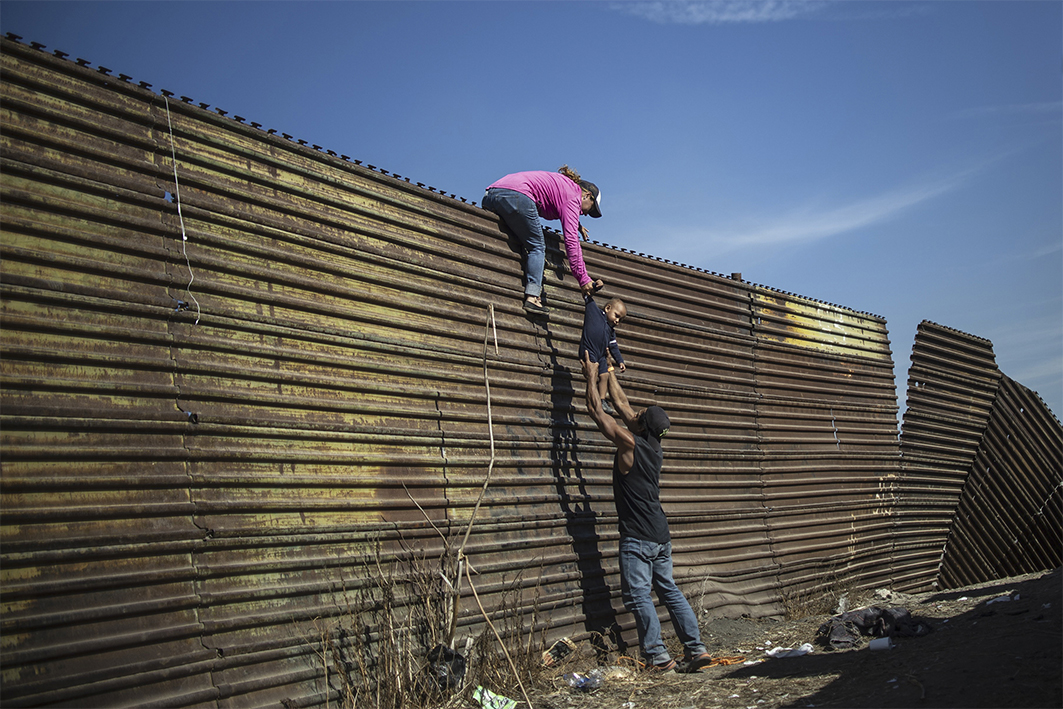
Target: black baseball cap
596, 210
655, 422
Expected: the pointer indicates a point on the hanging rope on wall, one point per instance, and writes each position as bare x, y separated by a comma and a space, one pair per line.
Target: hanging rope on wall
180, 217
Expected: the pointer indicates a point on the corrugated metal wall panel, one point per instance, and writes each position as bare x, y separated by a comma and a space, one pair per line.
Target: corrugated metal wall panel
1009, 518
96, 500
979, 497
305, 366
226, 399
827, 427
951, 385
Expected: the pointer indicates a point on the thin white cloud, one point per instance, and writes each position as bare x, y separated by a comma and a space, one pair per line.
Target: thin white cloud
843, 11
1034, 254
812, 224
1029, 351
686, 12
1045, 108
1029, 333
1047, 250
1041, 376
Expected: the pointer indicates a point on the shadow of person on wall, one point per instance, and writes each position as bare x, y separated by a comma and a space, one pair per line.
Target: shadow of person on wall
581, 519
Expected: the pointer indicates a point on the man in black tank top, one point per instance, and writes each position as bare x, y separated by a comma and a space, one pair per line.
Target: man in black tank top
645, 542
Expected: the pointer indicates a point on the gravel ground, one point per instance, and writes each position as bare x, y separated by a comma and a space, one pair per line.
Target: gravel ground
981, 652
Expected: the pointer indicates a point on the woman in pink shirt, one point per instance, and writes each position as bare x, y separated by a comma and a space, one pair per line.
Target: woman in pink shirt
522, 198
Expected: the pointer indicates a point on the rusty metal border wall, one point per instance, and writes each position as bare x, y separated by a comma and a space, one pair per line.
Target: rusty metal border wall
982, 468
1009, 519
226, 396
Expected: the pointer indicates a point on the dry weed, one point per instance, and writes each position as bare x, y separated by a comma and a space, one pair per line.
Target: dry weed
374, 651
820, 599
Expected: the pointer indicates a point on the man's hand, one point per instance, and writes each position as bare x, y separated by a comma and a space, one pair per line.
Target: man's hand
620, 402
590, 370
618, 435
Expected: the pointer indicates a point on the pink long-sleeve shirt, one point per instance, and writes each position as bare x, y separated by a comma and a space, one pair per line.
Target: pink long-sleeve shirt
556, 197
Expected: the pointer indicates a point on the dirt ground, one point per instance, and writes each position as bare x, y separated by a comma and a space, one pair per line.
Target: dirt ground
980, 653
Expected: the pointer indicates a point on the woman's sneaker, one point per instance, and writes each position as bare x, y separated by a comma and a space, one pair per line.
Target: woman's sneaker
535, 309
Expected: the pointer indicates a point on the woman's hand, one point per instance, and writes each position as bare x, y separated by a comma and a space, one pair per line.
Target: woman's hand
592, 287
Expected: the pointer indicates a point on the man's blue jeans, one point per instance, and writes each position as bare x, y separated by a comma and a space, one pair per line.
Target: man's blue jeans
522, 217
644, 565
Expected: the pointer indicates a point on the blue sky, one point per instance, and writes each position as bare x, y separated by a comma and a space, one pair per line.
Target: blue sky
898, 158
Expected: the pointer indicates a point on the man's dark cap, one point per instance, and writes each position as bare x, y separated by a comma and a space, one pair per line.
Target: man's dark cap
655, 421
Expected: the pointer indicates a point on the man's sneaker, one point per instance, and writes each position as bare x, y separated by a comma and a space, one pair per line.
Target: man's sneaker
665, 667
695, 663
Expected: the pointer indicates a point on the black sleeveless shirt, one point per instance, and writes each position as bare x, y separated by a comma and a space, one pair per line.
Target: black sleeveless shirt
637, 495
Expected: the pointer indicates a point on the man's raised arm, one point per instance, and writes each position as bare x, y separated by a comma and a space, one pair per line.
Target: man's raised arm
623, 407
620, 436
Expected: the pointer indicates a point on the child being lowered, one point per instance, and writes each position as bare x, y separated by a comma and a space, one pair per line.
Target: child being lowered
599, 340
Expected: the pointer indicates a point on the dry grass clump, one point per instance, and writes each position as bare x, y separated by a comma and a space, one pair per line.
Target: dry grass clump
821, 599
387, 647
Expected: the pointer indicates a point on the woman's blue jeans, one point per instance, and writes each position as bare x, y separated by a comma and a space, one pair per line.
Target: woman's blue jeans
522, 217
643, 566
